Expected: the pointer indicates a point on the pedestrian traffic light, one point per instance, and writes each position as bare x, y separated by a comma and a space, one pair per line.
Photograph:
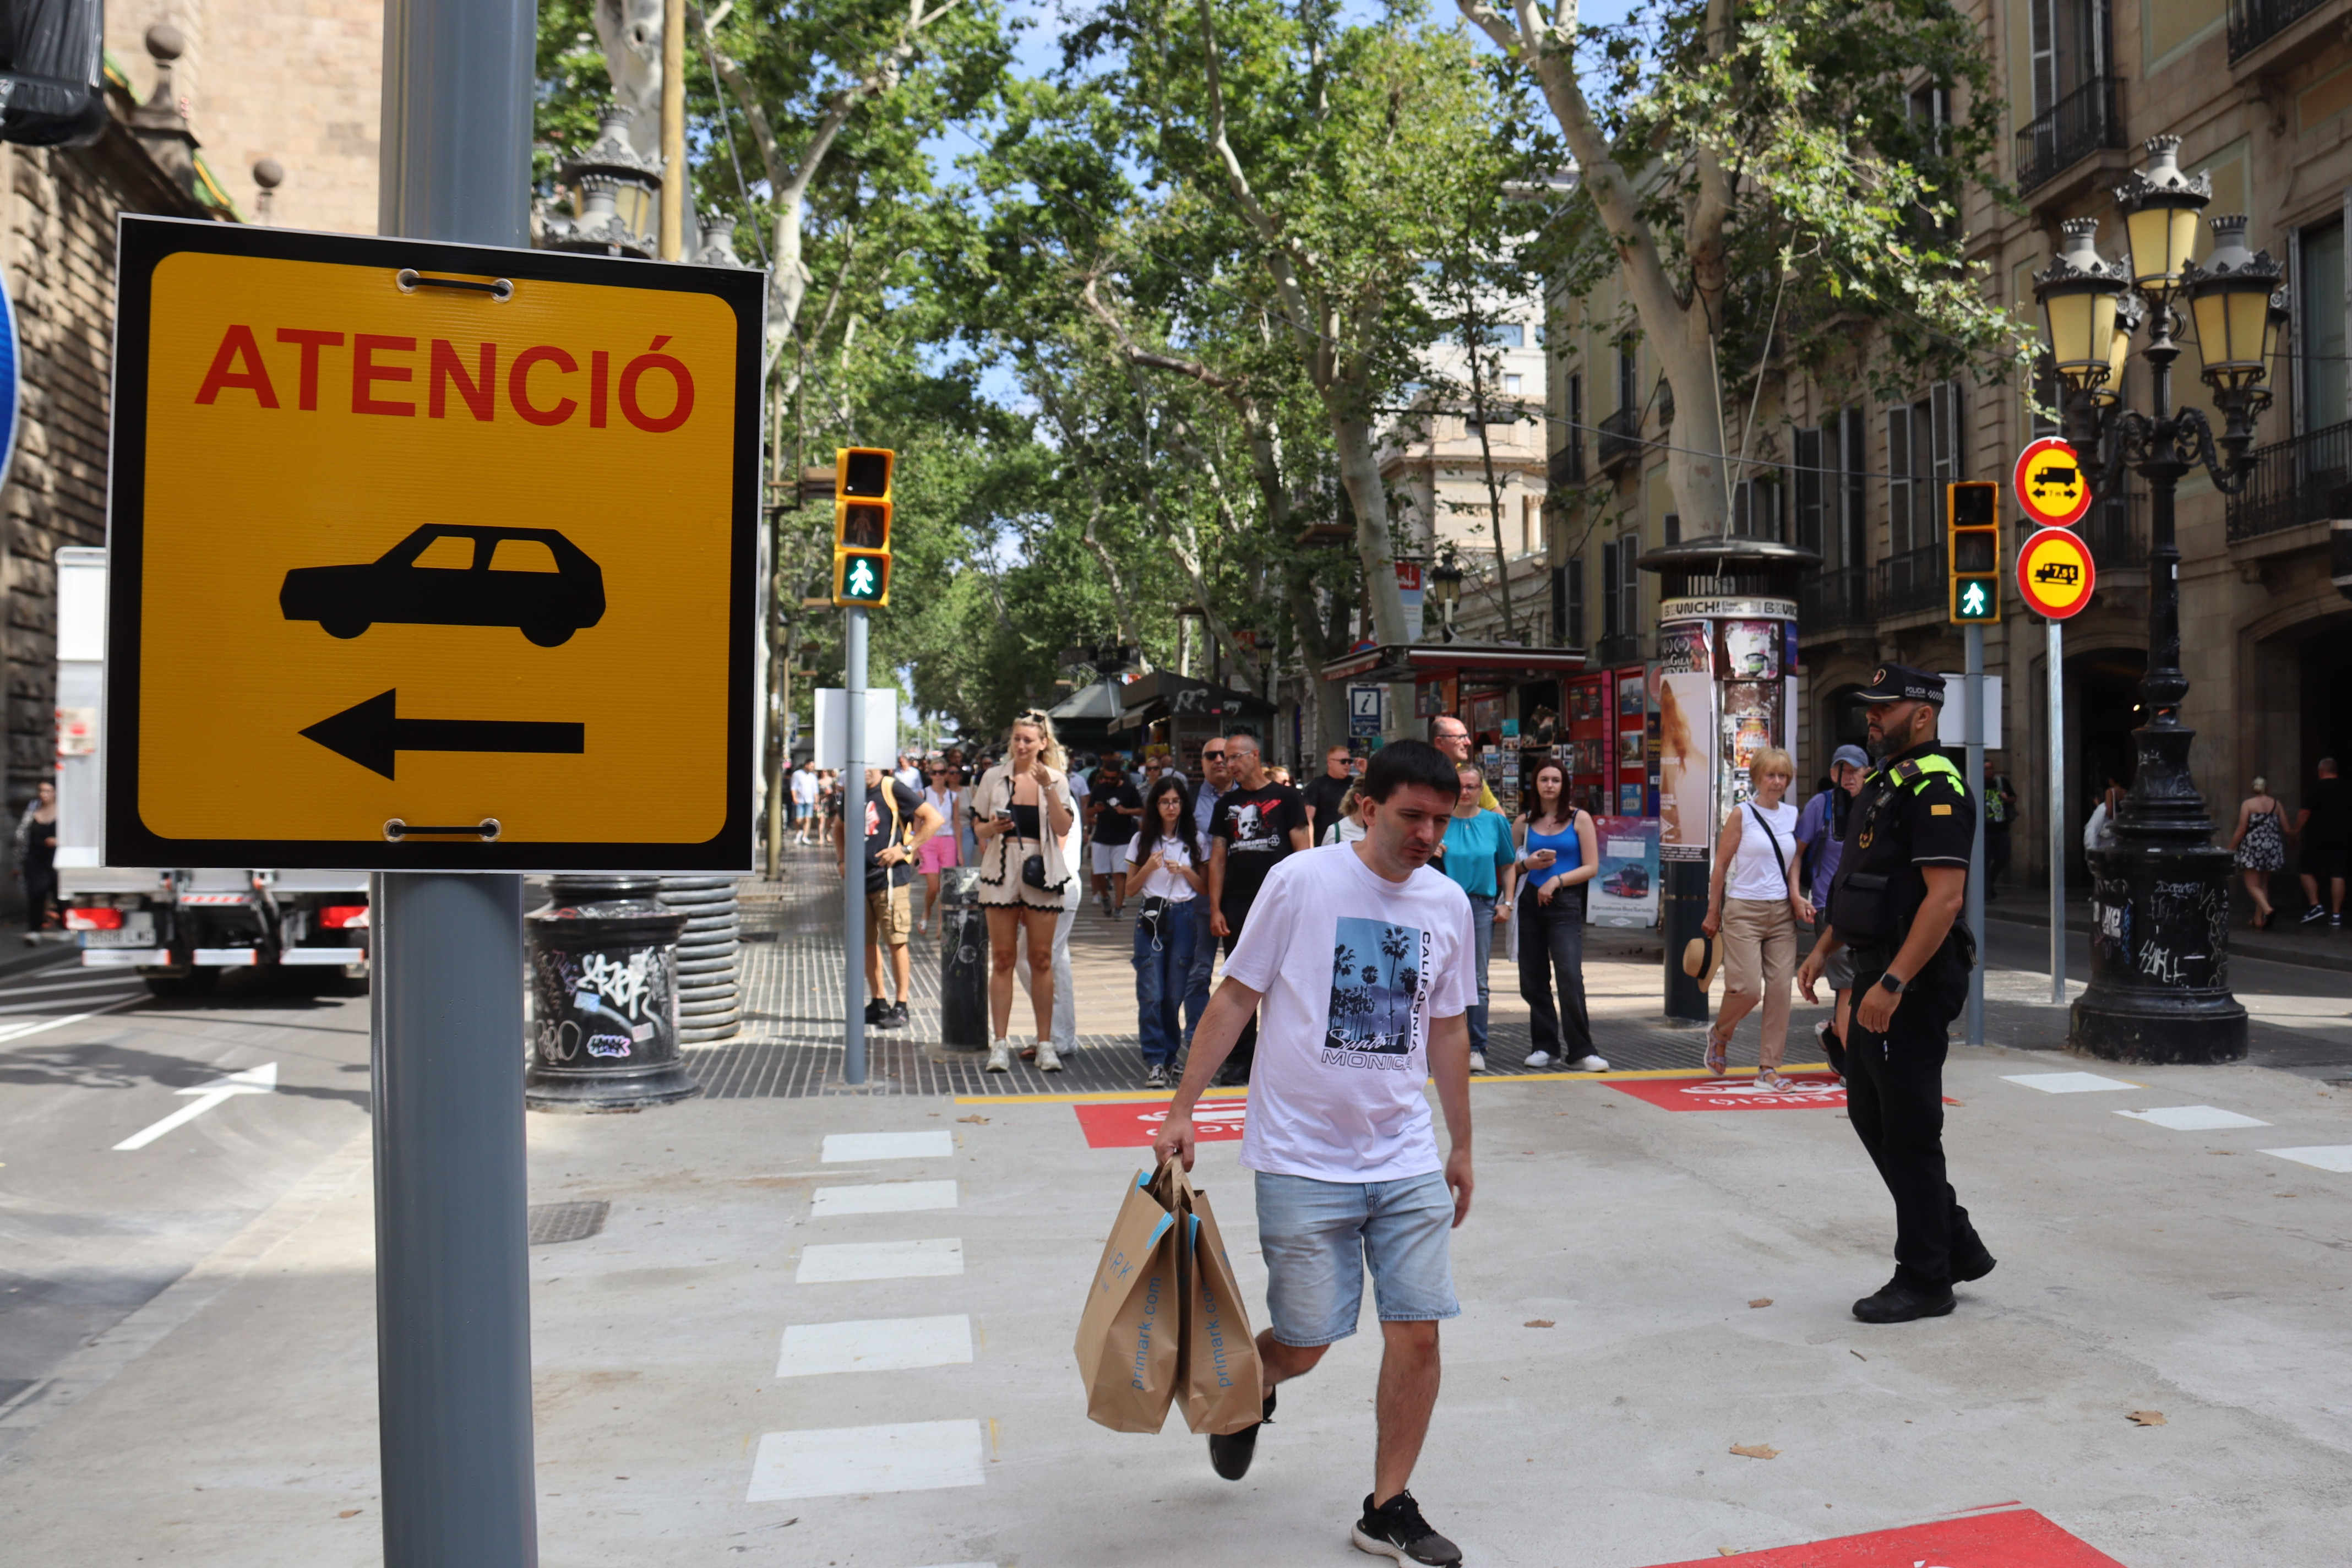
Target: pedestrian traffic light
861, 525
1972, 517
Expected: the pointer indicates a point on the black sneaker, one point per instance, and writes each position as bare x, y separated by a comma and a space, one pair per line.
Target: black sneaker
1973, 1261
1396, 1529
2314, 915
1901, 1300
1230, 1455
876, 1011
897, 1017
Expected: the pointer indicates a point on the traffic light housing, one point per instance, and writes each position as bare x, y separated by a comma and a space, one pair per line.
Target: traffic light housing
861, 525
1972, 550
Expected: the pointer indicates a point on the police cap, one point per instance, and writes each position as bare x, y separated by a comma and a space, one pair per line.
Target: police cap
1902, 683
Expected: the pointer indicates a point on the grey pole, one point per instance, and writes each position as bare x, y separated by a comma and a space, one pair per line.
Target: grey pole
453, 1288
1974, 715
853, 825
2056, 676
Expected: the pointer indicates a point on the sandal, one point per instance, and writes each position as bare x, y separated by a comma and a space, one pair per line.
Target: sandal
1718, 1052
1770, 1081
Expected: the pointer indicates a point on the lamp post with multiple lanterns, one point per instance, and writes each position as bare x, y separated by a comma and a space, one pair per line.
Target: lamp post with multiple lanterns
2161, 897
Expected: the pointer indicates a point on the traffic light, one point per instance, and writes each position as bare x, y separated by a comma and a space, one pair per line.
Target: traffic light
1972, 541
861, 525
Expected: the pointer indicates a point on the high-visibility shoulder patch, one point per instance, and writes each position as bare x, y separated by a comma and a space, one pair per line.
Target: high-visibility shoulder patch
1939, 811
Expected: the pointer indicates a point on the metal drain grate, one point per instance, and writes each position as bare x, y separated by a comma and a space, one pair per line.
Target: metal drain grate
552, 1223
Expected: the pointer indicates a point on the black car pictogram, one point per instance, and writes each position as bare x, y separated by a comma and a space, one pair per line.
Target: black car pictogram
507, 585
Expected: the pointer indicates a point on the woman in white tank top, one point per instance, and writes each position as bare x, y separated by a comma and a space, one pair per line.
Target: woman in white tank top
1757, 855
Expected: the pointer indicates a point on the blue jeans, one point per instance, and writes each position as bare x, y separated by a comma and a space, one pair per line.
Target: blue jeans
1482, 921
1317, 1237
1196, 976
1163, 968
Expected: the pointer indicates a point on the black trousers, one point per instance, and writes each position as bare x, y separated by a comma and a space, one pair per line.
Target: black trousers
1244, 1053
1996, 857
1894, 1094
1551, 942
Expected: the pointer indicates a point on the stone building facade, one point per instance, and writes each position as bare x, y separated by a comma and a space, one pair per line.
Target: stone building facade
2261, 93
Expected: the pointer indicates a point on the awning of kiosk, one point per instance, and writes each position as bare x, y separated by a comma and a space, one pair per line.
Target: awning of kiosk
1163, 694
1432, 660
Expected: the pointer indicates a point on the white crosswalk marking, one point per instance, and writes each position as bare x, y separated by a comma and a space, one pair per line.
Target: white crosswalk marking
2336, 1157
2066, 1082
848, 1146
887, 1197
2192, 1118
874, 1345
847, 1260
907, 1457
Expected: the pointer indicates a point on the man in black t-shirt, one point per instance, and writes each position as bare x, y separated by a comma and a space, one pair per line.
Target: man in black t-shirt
2324, 827
1113, 808
1258, 824
1901, 880
1324, 795
897, 820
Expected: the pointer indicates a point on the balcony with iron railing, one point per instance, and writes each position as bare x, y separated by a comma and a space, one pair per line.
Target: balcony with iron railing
2253, 23
2116, 530
2082, 123
1912, 582
2294, 482
1832, 600
1621, 438
1566, 466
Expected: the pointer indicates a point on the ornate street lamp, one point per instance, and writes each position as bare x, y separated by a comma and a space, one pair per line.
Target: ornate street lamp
1445, 587
2160, 896
618, 210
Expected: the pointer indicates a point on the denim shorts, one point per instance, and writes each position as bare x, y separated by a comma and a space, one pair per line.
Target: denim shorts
1317, 1237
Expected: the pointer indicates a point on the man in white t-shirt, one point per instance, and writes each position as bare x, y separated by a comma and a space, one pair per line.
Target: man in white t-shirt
1365, 961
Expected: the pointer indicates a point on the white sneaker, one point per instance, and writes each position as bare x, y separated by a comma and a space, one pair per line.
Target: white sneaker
1477, 1061
1538, 1059
1000, 1057
1590, 1064
1047, 1060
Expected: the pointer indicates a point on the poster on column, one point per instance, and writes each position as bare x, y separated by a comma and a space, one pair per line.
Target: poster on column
1625, 887
1686, 765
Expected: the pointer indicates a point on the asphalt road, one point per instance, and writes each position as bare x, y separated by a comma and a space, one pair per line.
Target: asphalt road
89, 1233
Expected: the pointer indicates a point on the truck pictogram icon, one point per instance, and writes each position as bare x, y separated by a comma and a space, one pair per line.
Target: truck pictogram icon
2055, 476
2063, 572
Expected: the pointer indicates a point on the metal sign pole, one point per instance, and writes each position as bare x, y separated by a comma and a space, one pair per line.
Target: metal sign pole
1974, 735
853, 824
2056, 674
452, 1287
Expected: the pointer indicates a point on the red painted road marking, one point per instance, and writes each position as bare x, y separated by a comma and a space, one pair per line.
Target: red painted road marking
1814, 1091
1133, 1125
2020, 1540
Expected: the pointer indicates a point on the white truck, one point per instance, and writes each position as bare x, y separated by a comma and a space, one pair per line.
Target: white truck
180, 927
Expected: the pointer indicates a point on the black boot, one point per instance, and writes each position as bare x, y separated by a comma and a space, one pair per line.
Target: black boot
1902, 1298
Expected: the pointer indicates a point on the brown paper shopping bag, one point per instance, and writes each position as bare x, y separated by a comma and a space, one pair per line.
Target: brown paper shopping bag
1219, 1380
1129, 1334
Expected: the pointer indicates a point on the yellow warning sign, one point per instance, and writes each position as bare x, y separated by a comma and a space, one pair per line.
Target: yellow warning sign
429, 556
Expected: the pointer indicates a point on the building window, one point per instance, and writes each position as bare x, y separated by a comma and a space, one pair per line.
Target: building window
1530, 524
1568, 600
1629, 376
1854, 491
1610, 607
1629, 590
1755, 510
1512, 384
2069, 48
2319, 299
1811, 487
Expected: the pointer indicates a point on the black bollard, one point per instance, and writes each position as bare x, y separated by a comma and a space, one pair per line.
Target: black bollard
963, 960
602, 960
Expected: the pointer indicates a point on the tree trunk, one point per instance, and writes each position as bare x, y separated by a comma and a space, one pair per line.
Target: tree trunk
1360, 471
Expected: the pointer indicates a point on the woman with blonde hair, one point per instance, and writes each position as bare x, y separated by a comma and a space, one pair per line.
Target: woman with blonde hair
2260, 846
1756, 856
1022, 813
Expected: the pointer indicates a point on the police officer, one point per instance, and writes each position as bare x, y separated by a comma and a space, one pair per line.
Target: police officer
1896, 903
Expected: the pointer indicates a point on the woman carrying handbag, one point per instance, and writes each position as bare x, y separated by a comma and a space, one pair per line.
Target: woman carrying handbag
1022, 814
1760, 919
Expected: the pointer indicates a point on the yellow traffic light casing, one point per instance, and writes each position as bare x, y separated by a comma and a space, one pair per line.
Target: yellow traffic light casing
1972, 549
861, 525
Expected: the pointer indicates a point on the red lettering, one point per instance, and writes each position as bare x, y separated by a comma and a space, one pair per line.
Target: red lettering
679, 377
312, 340
480, 392
238, 345
365, 373
519, 385
600, 370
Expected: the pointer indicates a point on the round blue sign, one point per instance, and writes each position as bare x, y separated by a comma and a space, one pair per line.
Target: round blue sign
11, 388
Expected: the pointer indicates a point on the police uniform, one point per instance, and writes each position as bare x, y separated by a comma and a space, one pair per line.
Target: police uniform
1913, 812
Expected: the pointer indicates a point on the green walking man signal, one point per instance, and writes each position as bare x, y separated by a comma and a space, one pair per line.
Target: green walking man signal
1972, 529
861, 526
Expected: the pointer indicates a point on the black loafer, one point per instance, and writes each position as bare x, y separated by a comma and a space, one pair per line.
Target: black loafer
1900, 1302
1973, 1261
1230, 1455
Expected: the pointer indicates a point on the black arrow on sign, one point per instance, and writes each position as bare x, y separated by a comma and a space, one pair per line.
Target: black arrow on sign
373, 732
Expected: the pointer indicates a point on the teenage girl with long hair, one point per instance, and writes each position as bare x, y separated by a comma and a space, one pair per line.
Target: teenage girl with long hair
1022, 813
1169, 875
1560, 852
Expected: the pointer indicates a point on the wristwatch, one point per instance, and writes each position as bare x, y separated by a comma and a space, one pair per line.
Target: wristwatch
1888, 982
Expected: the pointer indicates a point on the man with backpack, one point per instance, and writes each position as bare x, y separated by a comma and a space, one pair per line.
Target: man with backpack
897, 821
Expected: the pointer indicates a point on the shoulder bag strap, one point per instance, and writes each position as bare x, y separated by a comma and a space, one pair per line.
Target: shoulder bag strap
1778, 858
